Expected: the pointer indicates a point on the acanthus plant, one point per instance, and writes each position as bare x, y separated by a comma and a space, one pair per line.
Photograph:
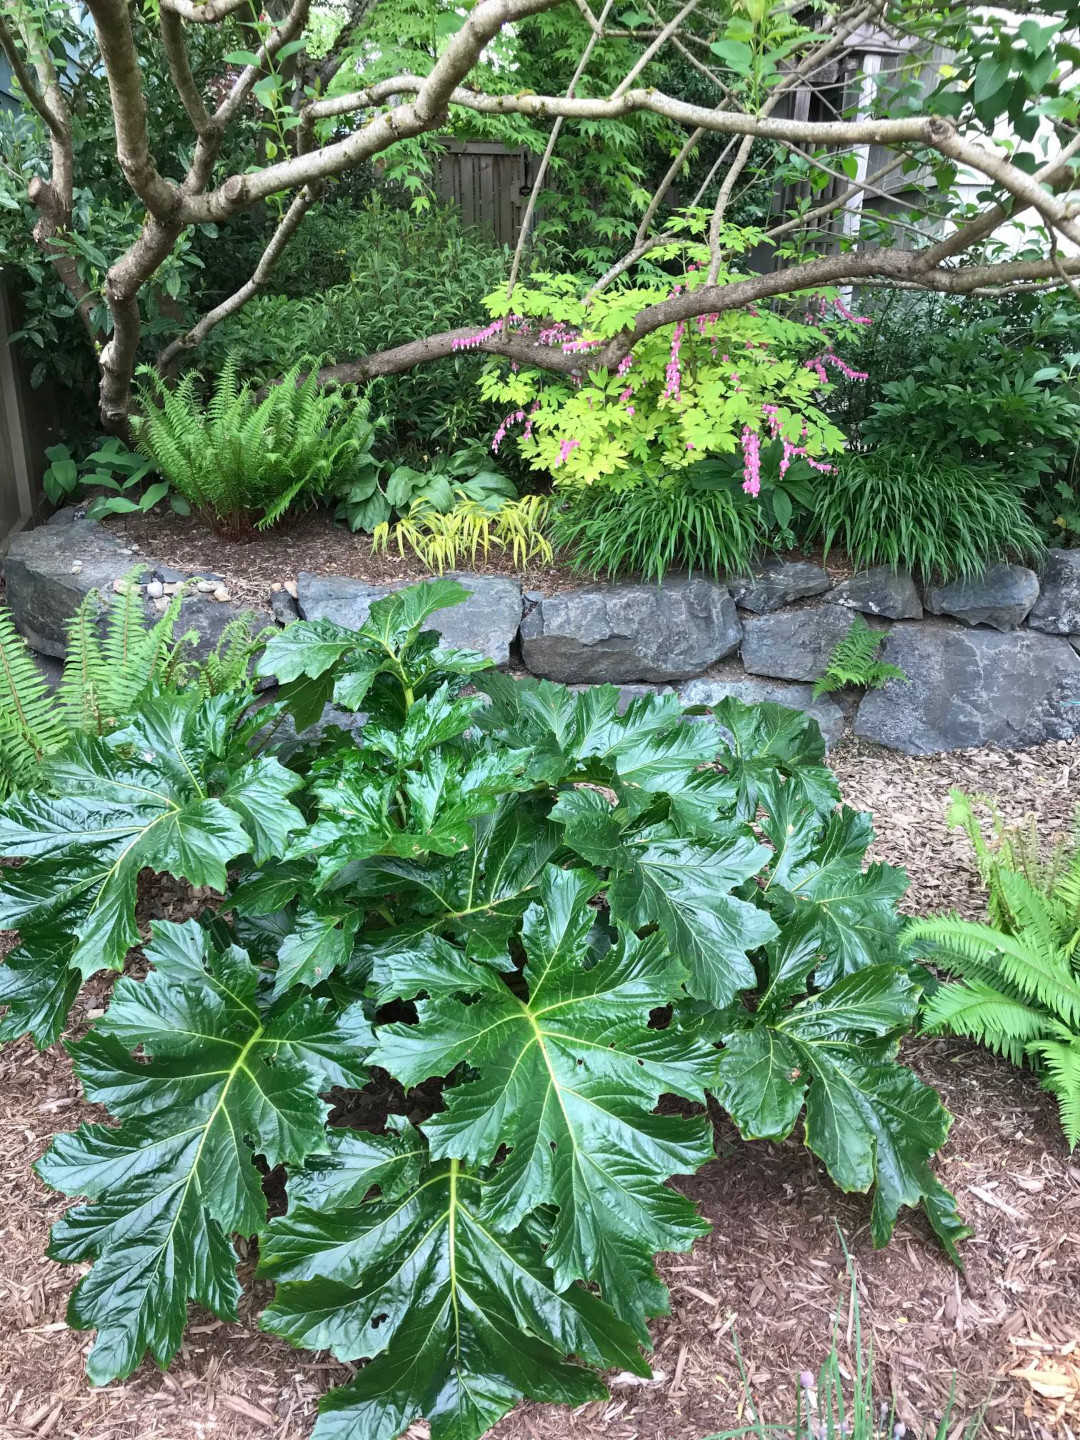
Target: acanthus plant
495, 929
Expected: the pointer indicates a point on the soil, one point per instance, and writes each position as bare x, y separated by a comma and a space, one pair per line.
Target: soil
770, 1277
250, 567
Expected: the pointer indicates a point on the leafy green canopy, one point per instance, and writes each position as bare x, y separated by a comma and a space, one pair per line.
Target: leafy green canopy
537, 917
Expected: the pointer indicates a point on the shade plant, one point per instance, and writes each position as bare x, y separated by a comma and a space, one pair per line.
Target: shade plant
492, 931
924, 510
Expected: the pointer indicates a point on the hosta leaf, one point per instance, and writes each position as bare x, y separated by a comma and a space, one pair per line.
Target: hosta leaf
871, 1120
568, 1080
462, 1320
136, 800
686, 889
220, 1078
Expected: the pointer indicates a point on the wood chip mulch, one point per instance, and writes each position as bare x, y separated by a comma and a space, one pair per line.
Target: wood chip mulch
771, 1274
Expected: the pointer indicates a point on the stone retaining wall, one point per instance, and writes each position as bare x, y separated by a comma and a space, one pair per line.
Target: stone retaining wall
996, 662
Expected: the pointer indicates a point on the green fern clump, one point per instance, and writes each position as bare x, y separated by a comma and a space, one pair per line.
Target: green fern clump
854, 661
241, 460
115, 660
1017, 989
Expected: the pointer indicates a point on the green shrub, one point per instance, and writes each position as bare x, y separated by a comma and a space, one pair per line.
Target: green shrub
537, 913
1017, 989
241, 460
680, 524
937, 516
405, 276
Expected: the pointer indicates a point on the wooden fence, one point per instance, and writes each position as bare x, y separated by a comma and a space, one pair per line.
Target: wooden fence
490, 183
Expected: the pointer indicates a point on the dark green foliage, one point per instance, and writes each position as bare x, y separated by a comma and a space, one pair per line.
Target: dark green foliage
654, 527
855, 661
937, 516
241, 460
536, 917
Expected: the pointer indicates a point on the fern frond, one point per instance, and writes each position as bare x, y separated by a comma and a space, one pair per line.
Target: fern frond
973, 1008
32, 722
85, 669
1061, 1067
854, 661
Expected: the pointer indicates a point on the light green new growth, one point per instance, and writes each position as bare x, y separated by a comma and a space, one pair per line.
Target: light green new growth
1018, 990
854, 661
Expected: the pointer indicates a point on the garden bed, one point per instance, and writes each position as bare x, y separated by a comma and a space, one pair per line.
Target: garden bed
771, 1272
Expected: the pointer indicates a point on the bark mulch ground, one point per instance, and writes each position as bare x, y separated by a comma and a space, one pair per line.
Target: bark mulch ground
771, 1274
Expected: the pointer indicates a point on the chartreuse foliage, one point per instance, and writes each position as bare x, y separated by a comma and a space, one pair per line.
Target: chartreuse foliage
538, 917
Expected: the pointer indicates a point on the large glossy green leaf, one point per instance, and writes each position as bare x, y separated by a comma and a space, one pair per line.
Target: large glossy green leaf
567, 1081
461, 1319
38, 987
220, 1078
872, 1121
143, 798
773, 747
817, 875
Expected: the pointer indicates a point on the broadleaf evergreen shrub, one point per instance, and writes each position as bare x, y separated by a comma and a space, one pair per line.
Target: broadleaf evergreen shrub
540, 914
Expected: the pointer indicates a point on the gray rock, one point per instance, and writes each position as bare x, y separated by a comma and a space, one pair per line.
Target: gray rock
1001, 597
284, 607
879, 591
776, 582
795, 646
487, 622
67, 515
625, 633
42, 591
826, 712
629, 693
1057, 609
973, 687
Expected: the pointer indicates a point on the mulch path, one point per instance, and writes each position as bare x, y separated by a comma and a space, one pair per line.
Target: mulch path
771, 1275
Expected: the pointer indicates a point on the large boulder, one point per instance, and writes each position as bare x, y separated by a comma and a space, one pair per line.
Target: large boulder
1057, 610
880, 590
795, 645
973, 687
1001, 597
826, 712
623, 633
50, 571
774, 583
487, 622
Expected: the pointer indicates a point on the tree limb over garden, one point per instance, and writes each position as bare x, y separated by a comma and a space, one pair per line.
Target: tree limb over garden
759, 101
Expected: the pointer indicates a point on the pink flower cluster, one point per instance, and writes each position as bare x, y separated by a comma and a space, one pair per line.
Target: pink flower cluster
470, 342
500, 434
818, 367
565, 448
790, 451
624, 364
751, 448
673, 373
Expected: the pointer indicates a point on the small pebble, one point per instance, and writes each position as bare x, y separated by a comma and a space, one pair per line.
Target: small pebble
171, 588
77, 567
161, 604
154, 589
221, 593
276, 586
206, 587
134, 547
118, 587
290, 586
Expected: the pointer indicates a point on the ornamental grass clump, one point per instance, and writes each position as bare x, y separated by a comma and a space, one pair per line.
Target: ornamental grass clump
537, 913
931, 513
